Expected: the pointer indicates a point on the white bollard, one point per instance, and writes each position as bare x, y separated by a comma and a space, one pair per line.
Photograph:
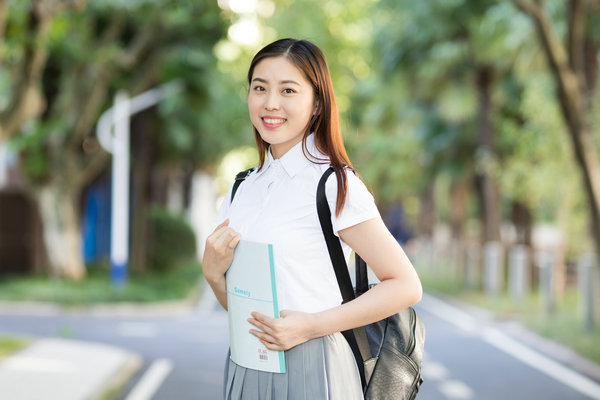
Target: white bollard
585, 278
493, 268
519, 282
545, 262
473, 266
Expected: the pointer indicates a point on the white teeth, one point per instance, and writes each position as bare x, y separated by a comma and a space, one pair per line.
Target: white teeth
273, 121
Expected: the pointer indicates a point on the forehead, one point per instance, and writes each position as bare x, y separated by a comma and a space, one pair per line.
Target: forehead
278, 69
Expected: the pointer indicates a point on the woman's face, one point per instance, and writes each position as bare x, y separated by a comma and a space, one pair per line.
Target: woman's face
280, 103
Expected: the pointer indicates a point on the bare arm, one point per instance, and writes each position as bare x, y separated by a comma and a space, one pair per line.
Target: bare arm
217, 259
400, 288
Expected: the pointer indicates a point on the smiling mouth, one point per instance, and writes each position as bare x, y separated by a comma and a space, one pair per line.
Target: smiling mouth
273, 123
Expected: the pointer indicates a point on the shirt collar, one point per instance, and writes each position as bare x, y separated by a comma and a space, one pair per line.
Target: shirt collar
294, 160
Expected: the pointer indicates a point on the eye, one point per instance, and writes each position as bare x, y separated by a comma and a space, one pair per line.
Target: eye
259, 88
289, 91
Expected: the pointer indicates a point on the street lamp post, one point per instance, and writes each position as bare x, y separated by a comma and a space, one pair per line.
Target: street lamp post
113, 134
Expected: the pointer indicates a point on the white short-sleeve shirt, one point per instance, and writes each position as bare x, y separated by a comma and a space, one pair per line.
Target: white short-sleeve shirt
277, 205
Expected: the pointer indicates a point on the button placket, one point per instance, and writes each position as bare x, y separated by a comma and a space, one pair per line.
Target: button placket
272, 178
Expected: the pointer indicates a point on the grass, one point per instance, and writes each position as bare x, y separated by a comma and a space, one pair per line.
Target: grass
175, 284
10, 345
563, 325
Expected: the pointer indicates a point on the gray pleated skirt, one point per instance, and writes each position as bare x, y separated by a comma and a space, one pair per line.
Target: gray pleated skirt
322, 368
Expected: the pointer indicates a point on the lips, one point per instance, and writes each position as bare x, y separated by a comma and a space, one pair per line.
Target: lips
273, 122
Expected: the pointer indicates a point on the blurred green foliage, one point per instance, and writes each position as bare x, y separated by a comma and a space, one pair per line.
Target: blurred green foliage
405, 75
405, 79
179, 282
172, 240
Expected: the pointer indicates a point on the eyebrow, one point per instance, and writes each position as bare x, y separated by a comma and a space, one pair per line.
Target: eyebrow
280, 82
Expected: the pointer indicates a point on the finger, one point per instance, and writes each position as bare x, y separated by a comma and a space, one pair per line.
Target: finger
223, 237
273, 346
234, 242
267, 340
263, 327
264, 319
224, 223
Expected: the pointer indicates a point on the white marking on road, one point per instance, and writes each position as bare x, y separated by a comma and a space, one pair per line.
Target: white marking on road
151, 381
542, 363
434, 371
448, 313
137, 329
510, 346
456, 390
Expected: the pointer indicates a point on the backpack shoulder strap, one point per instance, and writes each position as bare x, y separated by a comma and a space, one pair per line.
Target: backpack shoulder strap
333, 243
357, 338
239, 178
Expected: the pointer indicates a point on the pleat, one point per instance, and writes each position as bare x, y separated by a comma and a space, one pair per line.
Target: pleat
342, 373
322, 368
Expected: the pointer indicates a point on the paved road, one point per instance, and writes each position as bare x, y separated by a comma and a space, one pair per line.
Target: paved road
467, 357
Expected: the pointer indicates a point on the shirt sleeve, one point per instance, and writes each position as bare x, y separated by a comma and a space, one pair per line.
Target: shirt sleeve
359, 207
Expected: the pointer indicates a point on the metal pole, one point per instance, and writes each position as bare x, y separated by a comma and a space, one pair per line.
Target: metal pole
113, 135
120, 191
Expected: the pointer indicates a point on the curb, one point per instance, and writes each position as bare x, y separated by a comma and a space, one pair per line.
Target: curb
116, 309
120, 377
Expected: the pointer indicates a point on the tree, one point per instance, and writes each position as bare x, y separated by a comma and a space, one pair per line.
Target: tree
71, 60
574, 66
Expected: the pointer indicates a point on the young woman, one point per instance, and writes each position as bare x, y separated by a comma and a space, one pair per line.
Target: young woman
296, 126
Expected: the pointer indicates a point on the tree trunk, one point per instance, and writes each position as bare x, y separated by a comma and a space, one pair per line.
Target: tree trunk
427, 212
459, 197
522, 220
575, 73
62, 236
488, 189
143, 148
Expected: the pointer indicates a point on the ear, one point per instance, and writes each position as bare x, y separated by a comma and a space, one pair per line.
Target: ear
316, 108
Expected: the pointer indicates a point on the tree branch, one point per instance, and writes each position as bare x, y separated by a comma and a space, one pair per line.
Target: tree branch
26, 99
101, 76
94, 165
95, 99
140, 44
568, 85
592, 52
576, 35
3, 16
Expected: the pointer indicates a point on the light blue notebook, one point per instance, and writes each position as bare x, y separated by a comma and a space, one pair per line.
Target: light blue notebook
251, 286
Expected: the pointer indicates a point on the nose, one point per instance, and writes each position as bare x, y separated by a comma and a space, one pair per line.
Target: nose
272, 101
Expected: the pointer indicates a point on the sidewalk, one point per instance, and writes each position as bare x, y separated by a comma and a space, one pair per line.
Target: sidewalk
58, 369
